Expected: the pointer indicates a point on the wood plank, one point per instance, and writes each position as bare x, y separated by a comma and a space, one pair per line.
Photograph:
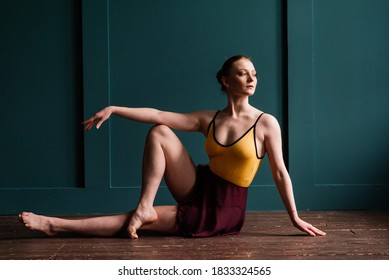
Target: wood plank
265, 235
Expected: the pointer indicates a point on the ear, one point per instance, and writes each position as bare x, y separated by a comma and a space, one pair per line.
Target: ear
225, 82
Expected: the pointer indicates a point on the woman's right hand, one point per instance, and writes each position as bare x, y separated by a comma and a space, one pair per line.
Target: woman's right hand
99, 117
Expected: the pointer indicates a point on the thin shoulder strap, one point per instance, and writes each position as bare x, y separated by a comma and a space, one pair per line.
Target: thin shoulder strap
258, 118
255, 138
212, 121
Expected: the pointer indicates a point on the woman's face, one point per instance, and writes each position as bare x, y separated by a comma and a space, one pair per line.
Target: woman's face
242, 78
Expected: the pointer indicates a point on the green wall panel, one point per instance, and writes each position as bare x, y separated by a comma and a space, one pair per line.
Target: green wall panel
338, 121
40, 78
351, 92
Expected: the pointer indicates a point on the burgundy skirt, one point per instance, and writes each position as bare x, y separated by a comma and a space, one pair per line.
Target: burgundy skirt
218, 207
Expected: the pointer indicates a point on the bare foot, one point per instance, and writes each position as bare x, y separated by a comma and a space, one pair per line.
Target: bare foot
37, 222
142, 216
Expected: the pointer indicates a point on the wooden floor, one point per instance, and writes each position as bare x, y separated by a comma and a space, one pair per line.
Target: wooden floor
266, 235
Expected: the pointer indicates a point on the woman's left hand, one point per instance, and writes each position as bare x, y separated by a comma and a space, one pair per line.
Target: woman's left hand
306, 227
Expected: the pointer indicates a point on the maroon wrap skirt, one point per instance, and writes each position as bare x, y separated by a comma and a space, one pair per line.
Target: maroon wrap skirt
218, 207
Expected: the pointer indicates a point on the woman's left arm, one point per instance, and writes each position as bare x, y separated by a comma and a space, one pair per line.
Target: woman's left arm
273, 145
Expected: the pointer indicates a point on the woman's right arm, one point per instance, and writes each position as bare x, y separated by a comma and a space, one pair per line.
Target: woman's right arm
195, 121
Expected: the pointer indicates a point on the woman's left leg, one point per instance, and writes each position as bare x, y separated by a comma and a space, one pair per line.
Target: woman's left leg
164, 157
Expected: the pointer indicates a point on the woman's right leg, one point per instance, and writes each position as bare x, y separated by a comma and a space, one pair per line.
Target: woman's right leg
164, 156
96, 226
109, 225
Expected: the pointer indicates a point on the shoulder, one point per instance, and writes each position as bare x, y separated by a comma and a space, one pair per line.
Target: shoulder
203, 117
268, 125
268, 121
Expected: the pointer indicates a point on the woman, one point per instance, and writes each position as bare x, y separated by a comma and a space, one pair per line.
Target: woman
211, 198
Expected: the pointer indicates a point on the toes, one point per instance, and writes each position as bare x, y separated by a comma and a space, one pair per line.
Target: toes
133, 233
22, 217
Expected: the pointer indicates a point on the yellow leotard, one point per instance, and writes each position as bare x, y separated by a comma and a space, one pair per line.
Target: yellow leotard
237, 162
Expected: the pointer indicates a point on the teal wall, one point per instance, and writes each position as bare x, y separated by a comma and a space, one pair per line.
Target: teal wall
323, 68
338, 99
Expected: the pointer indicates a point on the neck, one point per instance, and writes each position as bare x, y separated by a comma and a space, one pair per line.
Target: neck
236, 106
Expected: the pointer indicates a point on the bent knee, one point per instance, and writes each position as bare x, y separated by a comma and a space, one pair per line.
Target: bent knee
160, 130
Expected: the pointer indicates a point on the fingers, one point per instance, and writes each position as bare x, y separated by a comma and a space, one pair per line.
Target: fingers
99, 123
319, 232
310, 232
99, 117
309, 229
88, 124
313, 231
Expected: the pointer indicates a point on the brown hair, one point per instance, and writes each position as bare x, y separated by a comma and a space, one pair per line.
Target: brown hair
226, 68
